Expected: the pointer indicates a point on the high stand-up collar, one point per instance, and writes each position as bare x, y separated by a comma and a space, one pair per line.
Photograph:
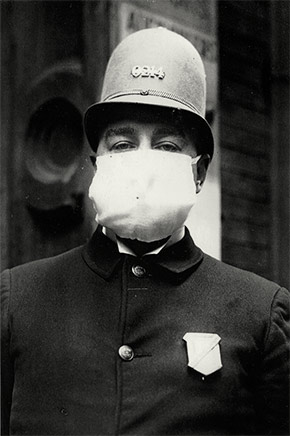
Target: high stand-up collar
102, 255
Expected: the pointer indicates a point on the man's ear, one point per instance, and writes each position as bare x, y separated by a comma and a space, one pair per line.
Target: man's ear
93, 160
201, 170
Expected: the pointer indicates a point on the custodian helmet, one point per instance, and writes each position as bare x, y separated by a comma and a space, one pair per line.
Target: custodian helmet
154, 67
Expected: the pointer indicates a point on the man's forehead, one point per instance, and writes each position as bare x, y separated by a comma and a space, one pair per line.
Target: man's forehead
131, 127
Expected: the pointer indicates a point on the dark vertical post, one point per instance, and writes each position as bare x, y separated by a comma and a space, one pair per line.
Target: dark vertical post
96, 46
280, 152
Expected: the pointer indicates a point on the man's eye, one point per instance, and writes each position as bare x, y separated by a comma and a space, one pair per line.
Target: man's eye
122, 146
167, 146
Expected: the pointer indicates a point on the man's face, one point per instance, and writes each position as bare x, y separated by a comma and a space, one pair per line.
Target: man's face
129, 135
147, 129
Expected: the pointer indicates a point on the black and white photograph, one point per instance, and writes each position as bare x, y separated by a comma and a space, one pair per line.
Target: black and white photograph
145, 205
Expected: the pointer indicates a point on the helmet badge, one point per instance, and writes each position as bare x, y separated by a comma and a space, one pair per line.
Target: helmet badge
147, 71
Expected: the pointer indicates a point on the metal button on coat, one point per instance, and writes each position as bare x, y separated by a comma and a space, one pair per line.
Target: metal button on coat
126, 352
138, 271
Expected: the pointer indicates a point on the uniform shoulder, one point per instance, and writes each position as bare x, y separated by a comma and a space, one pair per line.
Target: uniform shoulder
243, 292
25, 284
238, 279
44, 266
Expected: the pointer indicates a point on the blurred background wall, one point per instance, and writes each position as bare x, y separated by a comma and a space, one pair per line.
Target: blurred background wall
53, 57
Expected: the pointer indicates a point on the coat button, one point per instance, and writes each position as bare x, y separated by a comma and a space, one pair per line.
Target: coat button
126, 352
138, 271
63, 411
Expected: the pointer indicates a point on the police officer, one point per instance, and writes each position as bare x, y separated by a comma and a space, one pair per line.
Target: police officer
139, 332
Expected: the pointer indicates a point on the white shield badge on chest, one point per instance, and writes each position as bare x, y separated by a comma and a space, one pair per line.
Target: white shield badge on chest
203, 352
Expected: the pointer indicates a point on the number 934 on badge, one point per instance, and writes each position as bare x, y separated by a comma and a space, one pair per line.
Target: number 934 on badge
147, 71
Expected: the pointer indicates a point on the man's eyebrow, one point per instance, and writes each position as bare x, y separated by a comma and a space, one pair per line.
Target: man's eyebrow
117, 131
166, 131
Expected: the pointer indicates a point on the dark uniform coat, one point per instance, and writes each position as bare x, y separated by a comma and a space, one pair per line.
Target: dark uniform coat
65, 319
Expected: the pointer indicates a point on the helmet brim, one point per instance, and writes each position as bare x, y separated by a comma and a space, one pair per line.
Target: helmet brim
100, 114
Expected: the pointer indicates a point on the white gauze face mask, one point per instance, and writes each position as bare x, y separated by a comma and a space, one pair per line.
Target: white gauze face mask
144, 195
